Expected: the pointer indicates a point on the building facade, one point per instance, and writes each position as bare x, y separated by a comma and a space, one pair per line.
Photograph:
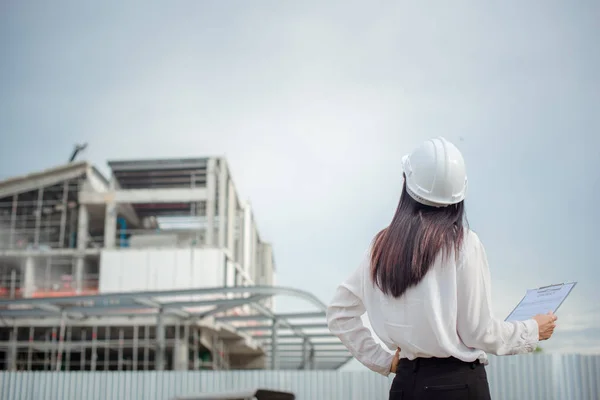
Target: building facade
160, 226
68, 230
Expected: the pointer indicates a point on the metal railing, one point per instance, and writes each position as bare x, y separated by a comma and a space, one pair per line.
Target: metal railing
14, 290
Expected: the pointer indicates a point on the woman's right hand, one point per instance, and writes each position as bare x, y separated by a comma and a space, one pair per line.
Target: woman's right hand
546, 324
395, 361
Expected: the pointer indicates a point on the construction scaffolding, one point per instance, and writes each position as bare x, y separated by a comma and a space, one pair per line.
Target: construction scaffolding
159, 267
55, 224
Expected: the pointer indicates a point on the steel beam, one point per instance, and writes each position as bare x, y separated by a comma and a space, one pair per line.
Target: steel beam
61, 340
299, 351
49, 307
144, 196
68, 349
134, 356
82, 355
246, 318
308, 335
146, 347
232, 303
268, 327
220, 304
43, 179
216, 302
44, 253
298, 345
12, 354
298, 359
266, 290
94, 354
47, 310
292, 337
30, 347
120, 350
107, 348
281, 322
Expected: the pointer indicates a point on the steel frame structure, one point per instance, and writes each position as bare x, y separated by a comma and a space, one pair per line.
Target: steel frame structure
284, 338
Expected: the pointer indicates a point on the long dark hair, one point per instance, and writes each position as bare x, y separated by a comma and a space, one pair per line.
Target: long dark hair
403, 252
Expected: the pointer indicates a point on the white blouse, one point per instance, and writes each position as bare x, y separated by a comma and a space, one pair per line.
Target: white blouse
447, 314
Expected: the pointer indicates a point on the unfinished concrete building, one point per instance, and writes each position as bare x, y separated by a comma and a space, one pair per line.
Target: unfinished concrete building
159, 267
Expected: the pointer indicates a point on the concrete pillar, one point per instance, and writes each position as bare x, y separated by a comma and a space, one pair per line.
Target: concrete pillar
94, 357
28, 274
247, 238
13, 221
254, 250
239, 252
83, 227
274, 346
231, 218
82, 243
211, 190
11, 353
181, 350
38, 217
305, 354
110, 226
134, 356
196, 348
160, 342
63, 215
78, 274
223, 206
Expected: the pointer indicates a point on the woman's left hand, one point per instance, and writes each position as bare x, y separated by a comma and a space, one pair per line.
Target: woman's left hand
395, 361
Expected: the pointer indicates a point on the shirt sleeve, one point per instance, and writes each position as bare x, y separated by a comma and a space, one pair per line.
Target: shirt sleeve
344, 321
477, 327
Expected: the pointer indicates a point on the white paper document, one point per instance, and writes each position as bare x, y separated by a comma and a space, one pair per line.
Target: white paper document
541, 301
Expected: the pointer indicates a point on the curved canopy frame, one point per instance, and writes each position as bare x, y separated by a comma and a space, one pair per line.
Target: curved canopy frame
306, 343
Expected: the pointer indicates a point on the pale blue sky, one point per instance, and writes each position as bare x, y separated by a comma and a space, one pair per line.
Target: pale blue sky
314, 103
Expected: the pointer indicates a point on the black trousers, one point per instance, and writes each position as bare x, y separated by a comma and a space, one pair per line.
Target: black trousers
439, 378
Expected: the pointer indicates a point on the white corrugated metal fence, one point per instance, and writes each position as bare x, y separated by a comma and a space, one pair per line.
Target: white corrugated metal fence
544, 377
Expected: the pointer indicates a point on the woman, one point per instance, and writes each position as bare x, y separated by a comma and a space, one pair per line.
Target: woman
425, 287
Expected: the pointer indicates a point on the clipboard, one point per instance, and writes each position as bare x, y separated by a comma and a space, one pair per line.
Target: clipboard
541, 300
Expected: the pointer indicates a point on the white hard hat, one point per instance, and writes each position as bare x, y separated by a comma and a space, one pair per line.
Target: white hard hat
435, 173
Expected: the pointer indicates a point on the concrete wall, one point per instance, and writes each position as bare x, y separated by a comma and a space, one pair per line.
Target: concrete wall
161, 269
